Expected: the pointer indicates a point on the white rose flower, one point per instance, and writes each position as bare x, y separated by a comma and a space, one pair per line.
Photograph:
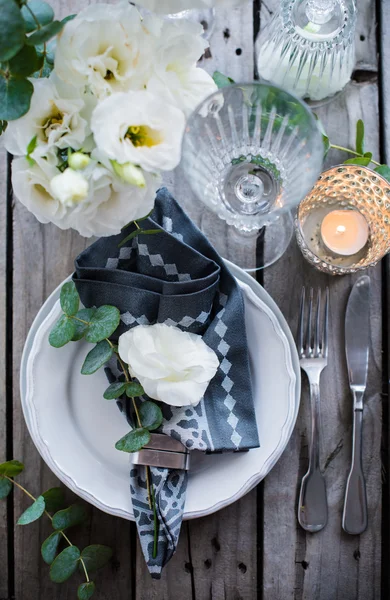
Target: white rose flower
136, 127
100, 49
173, 366
175, 76
107, 207
69, 187
57, 118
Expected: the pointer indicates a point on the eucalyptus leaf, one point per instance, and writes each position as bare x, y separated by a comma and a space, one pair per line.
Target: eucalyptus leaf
69, 517
133, 390
96, 358
68, 18
134, 440
383, 170
62, 332
43, 13
69, 298
85, 590
222, 80
11, 468
134, 234
115, 390
360, 137
151, 415
54, 499
65, 564
104, 322
25, 62
12, 30
33, 512
44, 34
5, 487
96, 556
85, 314
15, 97
49, 547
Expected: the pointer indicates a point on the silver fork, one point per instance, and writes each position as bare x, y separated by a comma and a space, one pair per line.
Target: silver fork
313, 355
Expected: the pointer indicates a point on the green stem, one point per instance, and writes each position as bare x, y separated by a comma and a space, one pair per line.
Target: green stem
44, 56
33, 16
49, 517
335, 147
136, 224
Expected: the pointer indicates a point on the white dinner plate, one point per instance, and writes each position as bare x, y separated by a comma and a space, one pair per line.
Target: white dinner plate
75, 429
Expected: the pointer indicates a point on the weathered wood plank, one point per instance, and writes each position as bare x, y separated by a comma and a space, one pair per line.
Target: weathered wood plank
329, 564
3, 345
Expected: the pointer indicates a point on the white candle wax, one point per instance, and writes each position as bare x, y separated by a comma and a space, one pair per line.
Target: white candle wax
344, 232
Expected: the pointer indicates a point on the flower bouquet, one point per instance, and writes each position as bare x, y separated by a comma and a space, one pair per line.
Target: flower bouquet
108, 118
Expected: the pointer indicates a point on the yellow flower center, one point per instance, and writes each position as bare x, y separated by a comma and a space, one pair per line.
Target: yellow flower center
52, 121
142, 135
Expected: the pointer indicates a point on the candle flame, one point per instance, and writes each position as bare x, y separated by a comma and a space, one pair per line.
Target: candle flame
340, 229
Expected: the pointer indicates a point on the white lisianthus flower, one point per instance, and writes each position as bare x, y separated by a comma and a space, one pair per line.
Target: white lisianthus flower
69, 187
55, 118
100, 49
137, 128
107, 207
175, 76
173, 366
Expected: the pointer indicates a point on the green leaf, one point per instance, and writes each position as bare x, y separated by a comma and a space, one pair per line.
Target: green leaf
44, 34
222, 80
96, 556
3, 126
358, 160
32, 145
69, 298
134, 440
33, 512
133, 390
383, 170
68, 517
25, 62
49, 547
151, 415
96, 358
65, 564
80, 328
12, 29
15, 97
62, 332
11, 468
54, 499
134, 234
360, 137
43, 12
104, 322
115, 390
5, 487
85, 590
68, 18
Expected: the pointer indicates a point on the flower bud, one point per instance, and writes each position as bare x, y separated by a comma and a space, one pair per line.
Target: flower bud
78, 161
69, 187
129, 173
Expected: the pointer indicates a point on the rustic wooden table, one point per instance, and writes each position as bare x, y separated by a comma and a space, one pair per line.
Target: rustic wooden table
254, 548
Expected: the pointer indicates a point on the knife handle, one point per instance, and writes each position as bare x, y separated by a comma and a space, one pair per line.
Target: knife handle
355, 503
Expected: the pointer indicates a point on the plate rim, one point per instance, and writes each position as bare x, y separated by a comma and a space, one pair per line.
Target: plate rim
286, 430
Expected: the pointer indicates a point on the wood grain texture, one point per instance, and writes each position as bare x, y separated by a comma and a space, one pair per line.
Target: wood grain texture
329, 564
3, 392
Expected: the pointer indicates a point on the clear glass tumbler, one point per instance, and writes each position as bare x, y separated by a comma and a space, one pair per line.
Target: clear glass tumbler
308, 47
251, 153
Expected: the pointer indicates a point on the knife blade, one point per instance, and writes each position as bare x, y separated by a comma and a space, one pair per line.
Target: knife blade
357, 339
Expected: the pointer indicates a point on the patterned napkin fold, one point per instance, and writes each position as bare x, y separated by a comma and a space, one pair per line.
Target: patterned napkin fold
176, 277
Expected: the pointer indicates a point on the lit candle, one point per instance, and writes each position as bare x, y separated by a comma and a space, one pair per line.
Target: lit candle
344, 232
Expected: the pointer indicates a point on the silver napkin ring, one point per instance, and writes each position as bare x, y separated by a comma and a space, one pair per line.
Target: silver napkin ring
163, 451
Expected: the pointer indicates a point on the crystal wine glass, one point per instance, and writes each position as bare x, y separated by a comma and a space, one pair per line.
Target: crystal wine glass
308, 47
251, 153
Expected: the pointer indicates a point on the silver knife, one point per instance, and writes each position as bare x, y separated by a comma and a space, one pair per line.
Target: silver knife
357, 337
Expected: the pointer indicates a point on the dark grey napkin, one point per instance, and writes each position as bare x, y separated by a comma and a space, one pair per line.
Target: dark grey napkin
176, 277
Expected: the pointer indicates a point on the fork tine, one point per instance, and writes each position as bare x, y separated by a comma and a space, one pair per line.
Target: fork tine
324, 343
309, 349
317, 325
301, 349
